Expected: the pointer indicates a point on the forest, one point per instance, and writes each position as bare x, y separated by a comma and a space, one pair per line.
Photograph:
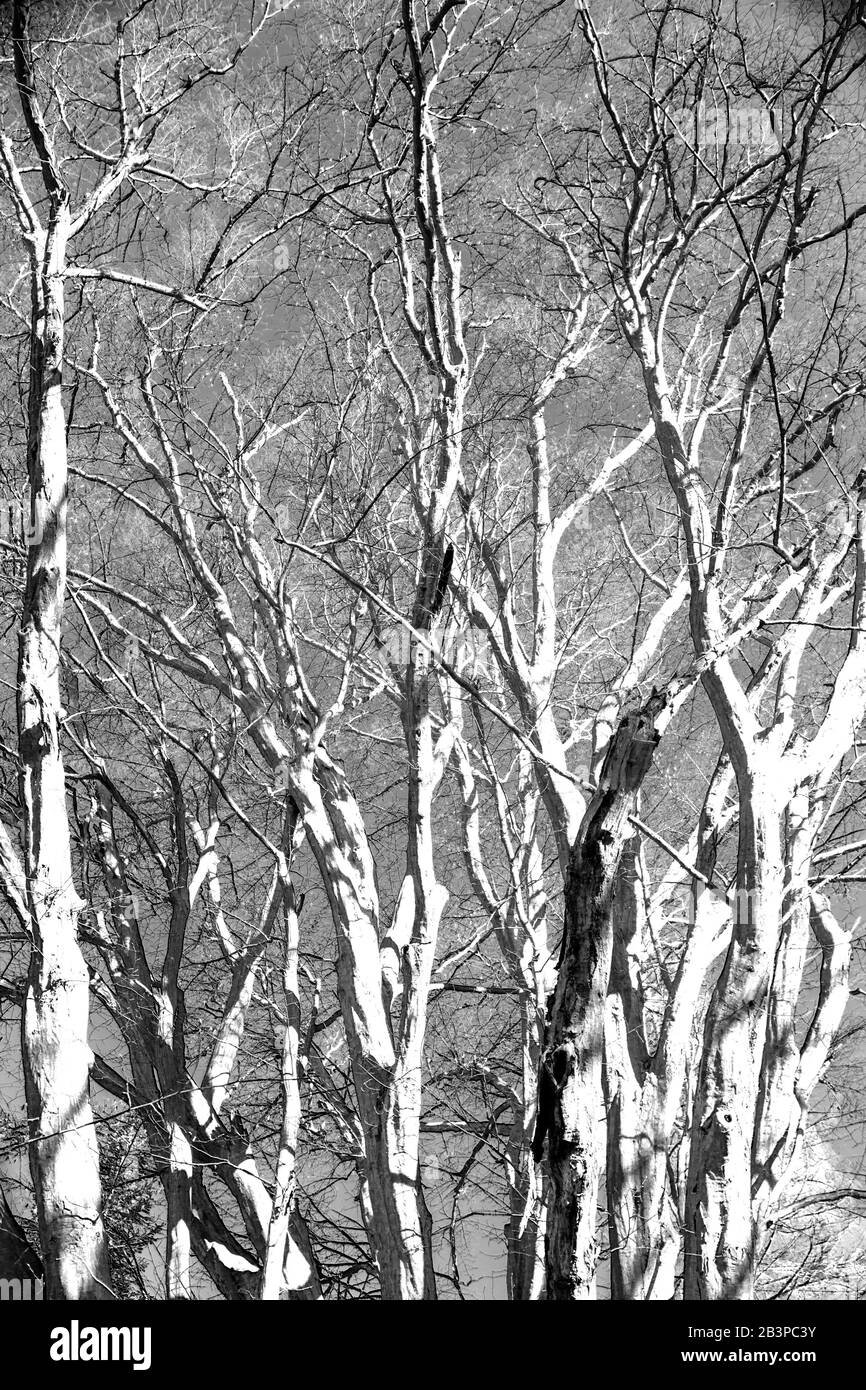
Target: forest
433, 649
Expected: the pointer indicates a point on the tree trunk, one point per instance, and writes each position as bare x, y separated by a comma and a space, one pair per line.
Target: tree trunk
719, 1229
178, 1190
570, 1092
289, 1264
527, 1181
626, 1058
64, 1158
644, 1092
773, 1139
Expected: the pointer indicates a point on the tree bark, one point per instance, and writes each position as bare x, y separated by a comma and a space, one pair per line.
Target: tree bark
626, 1059
64, 1158
570, 1092
719, 1229
642, 1193
781, 1053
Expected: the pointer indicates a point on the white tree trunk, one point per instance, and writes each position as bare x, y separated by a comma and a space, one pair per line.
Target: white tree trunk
64, 1158
570, 1089
719, 1229
527, 1181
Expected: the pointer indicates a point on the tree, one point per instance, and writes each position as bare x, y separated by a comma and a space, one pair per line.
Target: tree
54, 216
457, 712
679, 191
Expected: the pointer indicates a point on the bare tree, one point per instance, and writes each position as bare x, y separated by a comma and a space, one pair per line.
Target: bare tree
54, 218
448, 783
679, 190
